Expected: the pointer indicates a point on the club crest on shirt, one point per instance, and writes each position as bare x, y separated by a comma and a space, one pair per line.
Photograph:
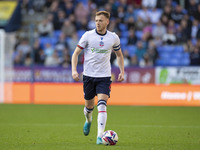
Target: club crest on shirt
101, 43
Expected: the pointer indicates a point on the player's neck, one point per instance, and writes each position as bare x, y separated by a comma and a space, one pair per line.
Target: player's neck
101, 32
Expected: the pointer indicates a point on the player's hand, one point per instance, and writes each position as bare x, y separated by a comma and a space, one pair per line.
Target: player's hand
75, 76
121, 77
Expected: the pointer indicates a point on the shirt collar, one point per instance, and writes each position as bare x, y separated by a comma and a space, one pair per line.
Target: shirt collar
100, 33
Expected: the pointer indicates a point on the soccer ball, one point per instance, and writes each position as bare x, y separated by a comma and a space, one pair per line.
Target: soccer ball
109, 137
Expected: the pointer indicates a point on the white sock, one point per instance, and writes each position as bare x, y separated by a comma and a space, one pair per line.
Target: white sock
102, 117
88, 114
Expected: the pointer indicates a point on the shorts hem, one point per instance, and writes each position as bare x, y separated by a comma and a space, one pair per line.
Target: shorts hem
87, 99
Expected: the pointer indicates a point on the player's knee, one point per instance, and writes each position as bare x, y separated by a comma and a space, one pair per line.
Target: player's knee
89, 103
103, 97
89, 106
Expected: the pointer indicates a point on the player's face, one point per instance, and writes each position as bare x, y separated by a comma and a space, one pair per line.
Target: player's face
101, 23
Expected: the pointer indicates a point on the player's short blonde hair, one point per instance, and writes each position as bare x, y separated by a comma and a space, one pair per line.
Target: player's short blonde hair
105, 13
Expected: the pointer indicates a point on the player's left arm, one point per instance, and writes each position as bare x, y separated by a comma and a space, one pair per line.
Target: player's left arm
120, 61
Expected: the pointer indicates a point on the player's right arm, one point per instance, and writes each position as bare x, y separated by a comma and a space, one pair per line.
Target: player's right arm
74, 61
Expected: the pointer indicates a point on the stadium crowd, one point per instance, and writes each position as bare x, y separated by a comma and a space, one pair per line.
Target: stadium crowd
152, 33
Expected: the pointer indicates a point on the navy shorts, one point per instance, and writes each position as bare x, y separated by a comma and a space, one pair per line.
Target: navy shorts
93, 86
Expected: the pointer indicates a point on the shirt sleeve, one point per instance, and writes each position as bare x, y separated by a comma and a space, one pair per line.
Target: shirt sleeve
116, 46
83, 41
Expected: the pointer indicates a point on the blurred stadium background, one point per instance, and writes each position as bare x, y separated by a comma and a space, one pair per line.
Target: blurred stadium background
160, 41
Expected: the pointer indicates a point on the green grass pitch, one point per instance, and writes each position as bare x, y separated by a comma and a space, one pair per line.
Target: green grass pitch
59, 127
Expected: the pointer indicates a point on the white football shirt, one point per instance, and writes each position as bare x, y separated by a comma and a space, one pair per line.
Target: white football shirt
97, 52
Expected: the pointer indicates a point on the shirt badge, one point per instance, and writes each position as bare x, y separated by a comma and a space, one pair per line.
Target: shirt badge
101, 43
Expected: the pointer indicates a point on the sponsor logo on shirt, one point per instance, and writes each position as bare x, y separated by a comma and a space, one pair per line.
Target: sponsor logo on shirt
95, 50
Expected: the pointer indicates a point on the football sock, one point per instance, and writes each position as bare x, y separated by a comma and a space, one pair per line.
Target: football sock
102, 117
88, 114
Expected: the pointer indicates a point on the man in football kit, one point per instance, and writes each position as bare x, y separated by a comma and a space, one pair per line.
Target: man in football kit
98, 45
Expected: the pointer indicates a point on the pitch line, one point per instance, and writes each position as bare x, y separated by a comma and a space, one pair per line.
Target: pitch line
40, 124
76, 125
157, 126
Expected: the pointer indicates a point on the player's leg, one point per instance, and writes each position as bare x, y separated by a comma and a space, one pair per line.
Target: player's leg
103, 93
88, 109
89, 94
102, 115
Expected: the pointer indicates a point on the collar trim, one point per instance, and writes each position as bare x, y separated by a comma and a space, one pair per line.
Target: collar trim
100, 33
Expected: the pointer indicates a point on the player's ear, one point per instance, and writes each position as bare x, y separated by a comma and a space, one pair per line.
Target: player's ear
108, 21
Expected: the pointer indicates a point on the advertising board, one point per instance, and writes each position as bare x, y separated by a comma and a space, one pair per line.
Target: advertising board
177, 75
